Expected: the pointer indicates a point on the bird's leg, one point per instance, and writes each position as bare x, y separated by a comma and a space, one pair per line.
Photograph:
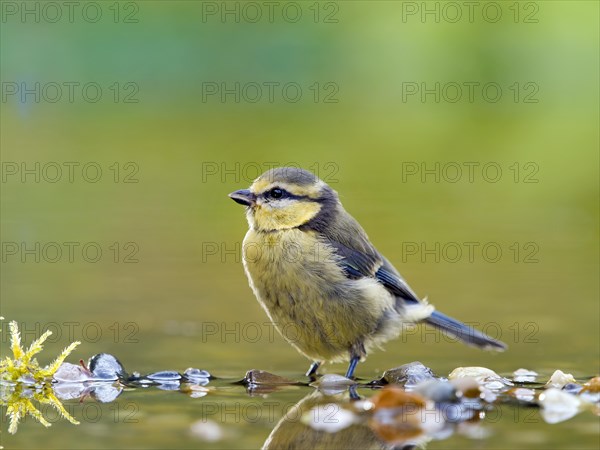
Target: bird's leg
352, 366
357, 351
312, 370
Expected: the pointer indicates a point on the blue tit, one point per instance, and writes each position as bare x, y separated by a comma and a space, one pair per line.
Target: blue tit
325, 287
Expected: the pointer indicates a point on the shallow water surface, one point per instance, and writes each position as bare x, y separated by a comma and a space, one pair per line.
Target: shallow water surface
226, 414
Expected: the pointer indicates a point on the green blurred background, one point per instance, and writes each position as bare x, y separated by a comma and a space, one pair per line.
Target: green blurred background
189, 152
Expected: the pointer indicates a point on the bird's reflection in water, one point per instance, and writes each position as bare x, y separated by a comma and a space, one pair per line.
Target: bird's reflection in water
294, 432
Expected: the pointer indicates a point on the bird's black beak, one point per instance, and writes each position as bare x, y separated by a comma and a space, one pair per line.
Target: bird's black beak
243, 197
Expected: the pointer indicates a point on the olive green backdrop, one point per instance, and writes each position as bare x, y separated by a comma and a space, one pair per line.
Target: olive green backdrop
148, 94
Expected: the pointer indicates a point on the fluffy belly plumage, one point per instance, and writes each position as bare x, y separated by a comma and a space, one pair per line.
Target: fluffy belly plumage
311, 302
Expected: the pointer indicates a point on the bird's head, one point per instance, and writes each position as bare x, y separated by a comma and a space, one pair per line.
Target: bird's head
284, 198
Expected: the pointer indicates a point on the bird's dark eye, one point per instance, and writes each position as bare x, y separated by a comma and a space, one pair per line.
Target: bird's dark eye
276, 193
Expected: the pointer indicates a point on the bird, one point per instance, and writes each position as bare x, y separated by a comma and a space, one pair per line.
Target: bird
322, 283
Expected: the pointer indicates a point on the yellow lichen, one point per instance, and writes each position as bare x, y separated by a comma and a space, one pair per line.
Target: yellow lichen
23, 365
23, 368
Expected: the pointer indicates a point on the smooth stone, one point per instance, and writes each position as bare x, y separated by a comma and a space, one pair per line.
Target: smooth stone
408, 374
494, 385
106, 367
572, 388
260, 377
164, 375
71, 373
332, 379
560, 379
332, 384
483, 375
192, 373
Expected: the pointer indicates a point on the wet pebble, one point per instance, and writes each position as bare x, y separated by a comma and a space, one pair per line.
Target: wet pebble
164, 376
331, 384
260, 377
72, 373
197, 376
560, 379
495, 385
409, 374
572, 388
106, 367
484, 376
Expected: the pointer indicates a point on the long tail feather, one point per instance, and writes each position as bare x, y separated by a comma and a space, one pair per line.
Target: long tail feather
465, 333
